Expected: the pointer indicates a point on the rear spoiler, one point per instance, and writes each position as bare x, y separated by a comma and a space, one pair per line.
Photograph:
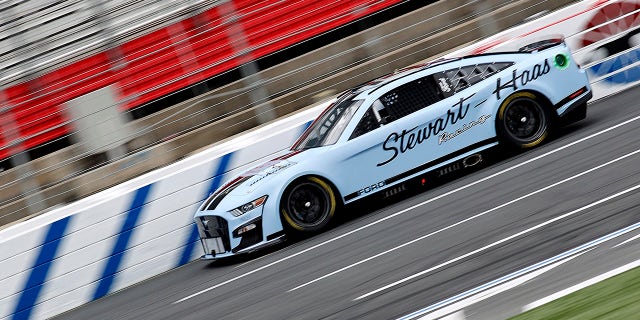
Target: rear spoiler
542, 44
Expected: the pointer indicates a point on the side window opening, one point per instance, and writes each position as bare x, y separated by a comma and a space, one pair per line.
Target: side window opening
369, 122
375, 117
397, 103
409, 98
380, 112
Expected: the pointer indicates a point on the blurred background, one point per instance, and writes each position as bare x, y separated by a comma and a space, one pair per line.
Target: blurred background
94, 93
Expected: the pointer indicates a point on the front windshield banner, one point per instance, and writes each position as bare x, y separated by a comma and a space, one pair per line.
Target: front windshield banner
328, 128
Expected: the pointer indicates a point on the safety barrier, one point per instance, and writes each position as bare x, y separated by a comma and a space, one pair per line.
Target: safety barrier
131, 232
105, 242
223, 112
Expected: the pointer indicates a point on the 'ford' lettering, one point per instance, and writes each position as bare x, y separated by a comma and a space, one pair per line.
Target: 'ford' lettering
371, 188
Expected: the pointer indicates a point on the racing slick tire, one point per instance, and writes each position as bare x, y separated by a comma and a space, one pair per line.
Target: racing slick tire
307, 205
523, 121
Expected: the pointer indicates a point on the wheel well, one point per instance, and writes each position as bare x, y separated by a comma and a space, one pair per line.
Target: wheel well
546, 103
339, 199
543, 102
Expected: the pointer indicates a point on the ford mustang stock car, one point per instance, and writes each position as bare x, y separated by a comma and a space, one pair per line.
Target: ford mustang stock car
377, 137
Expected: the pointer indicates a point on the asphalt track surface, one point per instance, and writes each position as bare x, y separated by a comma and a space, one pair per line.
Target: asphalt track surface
386, 262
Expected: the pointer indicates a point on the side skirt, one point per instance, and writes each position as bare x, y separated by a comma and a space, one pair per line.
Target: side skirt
465, 160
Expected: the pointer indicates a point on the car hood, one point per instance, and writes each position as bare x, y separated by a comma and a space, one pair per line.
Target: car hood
262, 173
239, 188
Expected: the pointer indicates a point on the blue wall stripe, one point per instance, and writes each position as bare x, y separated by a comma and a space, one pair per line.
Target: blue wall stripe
38, 275
304, 127
216, 181
122, 242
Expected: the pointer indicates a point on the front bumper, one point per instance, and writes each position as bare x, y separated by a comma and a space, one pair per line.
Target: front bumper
249, 249
223, 235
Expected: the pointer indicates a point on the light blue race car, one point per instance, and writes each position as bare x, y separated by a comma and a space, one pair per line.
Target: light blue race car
384, 136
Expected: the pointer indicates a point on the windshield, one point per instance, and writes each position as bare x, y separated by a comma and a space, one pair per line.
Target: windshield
328, 128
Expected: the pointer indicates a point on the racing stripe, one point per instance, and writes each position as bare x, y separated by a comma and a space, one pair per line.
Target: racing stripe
216, 181
122, 243
35, 282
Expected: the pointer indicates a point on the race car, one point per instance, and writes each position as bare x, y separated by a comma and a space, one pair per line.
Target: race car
379, 137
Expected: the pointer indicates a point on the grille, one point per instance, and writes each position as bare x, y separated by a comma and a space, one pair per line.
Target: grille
216, 232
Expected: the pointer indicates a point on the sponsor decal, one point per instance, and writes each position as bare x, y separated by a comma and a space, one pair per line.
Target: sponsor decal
400, 142
446, 136
275, 168
444, 85
370, 188
472, 160
448, 169
522, 78
394, 190
467, 162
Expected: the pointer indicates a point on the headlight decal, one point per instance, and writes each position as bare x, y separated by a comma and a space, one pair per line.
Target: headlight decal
249, 206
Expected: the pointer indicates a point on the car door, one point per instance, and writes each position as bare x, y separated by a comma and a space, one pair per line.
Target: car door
368, 158
430, 134
356, 159
405, 129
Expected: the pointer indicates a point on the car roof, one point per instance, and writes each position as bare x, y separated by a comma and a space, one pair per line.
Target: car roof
372, 85
369, 87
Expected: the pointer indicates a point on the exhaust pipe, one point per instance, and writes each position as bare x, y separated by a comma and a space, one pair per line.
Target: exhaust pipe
472, 160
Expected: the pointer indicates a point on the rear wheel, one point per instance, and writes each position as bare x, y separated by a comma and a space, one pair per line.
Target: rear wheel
307, 205
523, 121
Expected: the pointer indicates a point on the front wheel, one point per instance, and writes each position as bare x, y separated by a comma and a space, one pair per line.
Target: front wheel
523, 121
307, 205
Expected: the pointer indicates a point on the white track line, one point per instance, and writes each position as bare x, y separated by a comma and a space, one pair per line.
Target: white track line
489, 292
499, 242
469, 294
466, 220
627, 241
581, 285
591, 136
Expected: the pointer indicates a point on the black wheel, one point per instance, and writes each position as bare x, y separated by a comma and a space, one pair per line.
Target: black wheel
307, 205
523, 121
